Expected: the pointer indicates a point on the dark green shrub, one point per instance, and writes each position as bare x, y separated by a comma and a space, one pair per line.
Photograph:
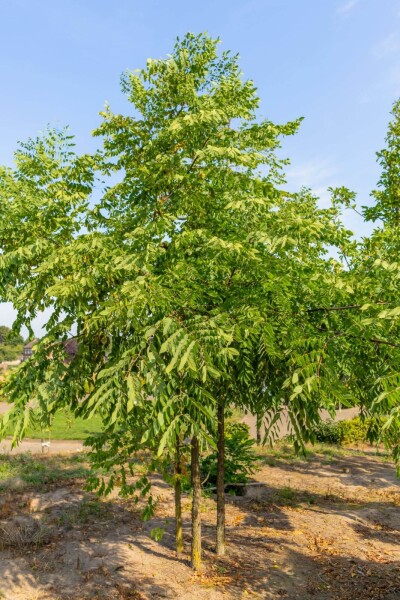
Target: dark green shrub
328, 432
240, 457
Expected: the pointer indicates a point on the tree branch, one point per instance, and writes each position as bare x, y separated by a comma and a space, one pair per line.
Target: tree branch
348, 307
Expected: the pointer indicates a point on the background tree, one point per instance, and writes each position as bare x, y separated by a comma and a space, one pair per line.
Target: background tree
381, 267
11, 344
367, 323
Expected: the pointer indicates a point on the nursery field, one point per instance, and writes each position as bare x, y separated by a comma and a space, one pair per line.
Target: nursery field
324, 526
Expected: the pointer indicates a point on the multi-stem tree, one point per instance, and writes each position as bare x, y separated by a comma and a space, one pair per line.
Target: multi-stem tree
188, 269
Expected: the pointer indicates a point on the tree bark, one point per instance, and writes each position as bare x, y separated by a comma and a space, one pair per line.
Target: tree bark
258, 428
196, 517
220, 547
178, 502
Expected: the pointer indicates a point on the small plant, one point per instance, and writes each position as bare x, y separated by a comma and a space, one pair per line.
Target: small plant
328, 432
88, 511
157, 533
240, 457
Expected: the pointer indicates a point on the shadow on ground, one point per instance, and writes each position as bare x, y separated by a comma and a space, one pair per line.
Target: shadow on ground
282, 543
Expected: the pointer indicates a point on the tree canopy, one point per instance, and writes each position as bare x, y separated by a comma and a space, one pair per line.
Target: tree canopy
186, 271
186, 265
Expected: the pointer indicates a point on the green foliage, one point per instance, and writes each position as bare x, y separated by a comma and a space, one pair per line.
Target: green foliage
189, 271
366, 326
354, 431
240, 457
284, 451
386, 199
10, 353
11, 344
157, 533
328, 432
7, 336
379, 267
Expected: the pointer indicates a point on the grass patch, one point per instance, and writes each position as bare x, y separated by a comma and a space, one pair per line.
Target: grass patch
36, 472
89, 511
284, 450
293, 497
65, 426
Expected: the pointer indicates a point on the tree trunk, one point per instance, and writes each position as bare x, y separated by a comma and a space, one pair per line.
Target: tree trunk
196, 517
220, 548
178, 503
258, 427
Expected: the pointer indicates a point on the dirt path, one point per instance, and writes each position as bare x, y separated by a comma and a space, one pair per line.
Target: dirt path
35, 446
327, 529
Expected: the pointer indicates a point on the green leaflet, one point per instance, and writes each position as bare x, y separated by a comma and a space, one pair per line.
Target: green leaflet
186, 356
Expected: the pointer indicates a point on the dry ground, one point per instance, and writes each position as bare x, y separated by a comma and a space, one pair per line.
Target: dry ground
327, 528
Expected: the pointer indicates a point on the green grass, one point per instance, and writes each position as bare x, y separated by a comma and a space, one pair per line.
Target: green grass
66, 427
88, 511
284, 450
38, 471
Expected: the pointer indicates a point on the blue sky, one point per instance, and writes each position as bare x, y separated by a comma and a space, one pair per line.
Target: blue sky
334, 62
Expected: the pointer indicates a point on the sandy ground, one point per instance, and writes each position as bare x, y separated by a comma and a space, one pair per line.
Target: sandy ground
3, 407
327, 529
35, 447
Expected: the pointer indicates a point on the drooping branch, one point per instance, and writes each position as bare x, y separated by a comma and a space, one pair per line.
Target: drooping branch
355, 337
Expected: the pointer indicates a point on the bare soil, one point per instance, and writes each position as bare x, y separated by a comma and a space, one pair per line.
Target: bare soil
325, 529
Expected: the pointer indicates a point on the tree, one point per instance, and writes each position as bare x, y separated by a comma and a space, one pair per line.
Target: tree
381, 254
368, 325
192, 279
7, 336
10, 344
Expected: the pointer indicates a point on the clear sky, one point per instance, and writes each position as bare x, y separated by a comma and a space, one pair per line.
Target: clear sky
334, 62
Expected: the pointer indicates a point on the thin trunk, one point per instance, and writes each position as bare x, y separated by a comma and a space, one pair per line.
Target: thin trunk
220, 549
258, 427
196, 517
178, 503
